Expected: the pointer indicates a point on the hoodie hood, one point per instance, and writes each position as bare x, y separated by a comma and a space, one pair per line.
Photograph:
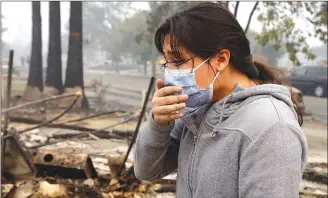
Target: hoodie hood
223, 109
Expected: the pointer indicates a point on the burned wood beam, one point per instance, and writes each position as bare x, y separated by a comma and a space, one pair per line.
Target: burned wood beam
53, 125
55, 118
64, 165
6, 110
100, 132
91, 132
92, 116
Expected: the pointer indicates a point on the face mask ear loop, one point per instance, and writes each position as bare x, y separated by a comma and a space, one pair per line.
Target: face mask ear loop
215, 77
200, 64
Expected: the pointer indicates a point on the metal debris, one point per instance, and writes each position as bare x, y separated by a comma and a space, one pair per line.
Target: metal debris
17, 160
72, 165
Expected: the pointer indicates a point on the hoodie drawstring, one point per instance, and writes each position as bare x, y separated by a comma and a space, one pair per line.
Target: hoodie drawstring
221, 116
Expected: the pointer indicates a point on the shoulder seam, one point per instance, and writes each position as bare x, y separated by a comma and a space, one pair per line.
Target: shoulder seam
239, 130
271, 125
277, 111
263, 131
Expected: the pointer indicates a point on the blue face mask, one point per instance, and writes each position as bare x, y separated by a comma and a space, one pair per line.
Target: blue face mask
186, 79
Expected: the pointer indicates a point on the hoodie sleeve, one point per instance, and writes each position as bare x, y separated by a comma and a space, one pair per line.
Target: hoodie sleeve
273, 163
157, 149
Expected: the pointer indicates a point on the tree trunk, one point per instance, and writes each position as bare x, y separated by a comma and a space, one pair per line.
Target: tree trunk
74, 70
54, 83
34, 86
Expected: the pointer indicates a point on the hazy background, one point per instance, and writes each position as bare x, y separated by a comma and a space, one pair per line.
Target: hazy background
17, 20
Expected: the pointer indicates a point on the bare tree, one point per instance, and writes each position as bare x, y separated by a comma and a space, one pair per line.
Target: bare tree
74, 70
54, 83
34, 86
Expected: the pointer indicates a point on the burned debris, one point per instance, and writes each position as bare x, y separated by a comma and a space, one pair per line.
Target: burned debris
56, 164
65, 163
64, 155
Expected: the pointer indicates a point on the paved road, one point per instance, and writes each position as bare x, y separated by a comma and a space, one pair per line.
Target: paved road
316, 134
316, 106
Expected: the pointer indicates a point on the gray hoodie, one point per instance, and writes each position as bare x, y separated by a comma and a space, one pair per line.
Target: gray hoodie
249, 144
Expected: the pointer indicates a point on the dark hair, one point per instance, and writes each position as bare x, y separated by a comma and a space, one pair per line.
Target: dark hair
208, 27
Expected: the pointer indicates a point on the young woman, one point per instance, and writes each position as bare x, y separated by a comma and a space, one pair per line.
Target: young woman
221, 119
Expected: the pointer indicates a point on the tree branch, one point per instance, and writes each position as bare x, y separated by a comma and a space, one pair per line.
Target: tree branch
251, 16
236, 9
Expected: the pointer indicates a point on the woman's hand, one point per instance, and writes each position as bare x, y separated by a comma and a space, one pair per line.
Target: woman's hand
165, 105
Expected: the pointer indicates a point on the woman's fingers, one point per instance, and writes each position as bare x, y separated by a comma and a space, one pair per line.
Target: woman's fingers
168, 108
165, 118
166, 105
165, 91
160, 101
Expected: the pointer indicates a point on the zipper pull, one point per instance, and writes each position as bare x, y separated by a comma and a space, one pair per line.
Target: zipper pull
213, 135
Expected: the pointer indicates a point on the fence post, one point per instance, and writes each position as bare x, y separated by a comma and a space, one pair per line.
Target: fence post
153, 66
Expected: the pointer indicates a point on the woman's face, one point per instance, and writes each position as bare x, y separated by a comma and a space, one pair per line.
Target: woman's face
204, 74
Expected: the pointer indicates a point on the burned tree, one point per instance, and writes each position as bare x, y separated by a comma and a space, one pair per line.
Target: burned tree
74, 69
34, 86
53, 83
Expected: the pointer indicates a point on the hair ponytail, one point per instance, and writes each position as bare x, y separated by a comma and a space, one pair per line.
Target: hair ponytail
271, 75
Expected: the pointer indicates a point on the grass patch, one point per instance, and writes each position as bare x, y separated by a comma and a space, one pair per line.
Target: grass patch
17, 87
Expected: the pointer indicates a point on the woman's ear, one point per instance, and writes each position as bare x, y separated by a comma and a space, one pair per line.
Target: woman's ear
221, 60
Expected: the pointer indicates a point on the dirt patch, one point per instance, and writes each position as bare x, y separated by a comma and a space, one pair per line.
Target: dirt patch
316, 134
